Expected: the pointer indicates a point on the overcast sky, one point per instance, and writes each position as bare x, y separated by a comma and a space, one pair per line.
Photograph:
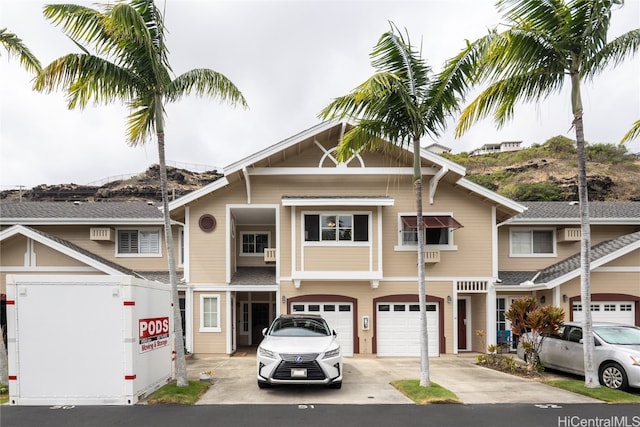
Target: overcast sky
289, 59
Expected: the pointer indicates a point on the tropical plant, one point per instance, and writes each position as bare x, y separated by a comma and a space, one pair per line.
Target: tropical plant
401, 103
131, 65
15, 46
532, 323
546, 43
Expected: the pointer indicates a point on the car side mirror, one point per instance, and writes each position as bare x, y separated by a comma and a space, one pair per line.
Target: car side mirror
581, 341
335, 334
264, 332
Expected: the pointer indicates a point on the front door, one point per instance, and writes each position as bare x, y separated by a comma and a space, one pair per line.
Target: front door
259, 320
462, 324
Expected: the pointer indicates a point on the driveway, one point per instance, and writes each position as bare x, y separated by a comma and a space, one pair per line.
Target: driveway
366, 381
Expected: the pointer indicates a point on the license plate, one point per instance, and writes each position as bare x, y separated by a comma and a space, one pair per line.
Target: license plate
298, 373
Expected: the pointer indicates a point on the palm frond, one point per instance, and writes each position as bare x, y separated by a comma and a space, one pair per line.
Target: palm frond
15, 46
502, 96
633, 133
203, 81
141, 122
80, 23
612, 54
87, 78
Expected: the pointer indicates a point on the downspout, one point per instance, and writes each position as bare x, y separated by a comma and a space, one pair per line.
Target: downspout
433, 183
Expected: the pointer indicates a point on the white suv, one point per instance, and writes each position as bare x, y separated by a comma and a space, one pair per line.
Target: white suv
299, 349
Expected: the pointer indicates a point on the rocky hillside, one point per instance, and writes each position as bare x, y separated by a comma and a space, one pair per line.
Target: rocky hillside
144, 187
548, 172
545, 172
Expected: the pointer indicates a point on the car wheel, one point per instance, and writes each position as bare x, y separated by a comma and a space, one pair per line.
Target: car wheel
613, 376
336, 385
262, 384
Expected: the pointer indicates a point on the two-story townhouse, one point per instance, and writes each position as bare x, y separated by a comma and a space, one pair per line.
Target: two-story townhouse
106, 238
539, 254
289, 229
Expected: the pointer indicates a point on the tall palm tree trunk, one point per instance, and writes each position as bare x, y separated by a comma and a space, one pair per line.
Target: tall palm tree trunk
590, 375
180, 360
422, 293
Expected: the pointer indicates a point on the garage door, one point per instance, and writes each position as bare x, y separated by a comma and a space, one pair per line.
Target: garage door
398, 329
607, 311
339, 316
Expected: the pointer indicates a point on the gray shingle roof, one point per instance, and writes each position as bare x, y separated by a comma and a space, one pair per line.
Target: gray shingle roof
598, 251
571, 210
254, 276
514, 277
68, 210
159, 276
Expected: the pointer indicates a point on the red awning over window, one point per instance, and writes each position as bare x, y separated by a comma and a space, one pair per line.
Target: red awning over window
432, 222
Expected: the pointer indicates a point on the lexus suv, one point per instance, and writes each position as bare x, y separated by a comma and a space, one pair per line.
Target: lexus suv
299, 349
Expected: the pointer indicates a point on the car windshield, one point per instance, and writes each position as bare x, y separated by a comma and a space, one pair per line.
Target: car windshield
621, 335
299, 327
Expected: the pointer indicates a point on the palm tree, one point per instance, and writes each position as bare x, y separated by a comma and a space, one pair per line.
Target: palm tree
131, 64
28, 60
15, 46
546, 43
401, 103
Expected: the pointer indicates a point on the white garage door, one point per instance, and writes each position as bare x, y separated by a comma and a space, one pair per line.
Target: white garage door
607, 311
339, 316
398, 329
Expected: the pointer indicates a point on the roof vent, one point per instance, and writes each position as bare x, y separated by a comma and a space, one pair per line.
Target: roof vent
76, 203
150, 203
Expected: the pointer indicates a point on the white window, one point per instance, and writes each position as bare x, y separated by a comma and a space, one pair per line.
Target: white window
133, 242
210, 313
532, 242
438, 230
343, 227
254, 243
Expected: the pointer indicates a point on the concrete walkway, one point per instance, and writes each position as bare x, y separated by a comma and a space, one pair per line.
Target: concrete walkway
366, 381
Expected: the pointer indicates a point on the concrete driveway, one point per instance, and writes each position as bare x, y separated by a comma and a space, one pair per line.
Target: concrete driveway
366, 381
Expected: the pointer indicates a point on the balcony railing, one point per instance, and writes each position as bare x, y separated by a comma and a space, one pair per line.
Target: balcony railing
269, 254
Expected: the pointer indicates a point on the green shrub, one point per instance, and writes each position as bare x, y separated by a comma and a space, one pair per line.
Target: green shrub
560, 145
533, 192
606, 153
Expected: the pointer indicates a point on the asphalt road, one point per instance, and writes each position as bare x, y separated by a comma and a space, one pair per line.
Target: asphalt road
498, 415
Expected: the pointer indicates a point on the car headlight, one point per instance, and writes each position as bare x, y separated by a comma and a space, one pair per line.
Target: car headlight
332, 353
266, 353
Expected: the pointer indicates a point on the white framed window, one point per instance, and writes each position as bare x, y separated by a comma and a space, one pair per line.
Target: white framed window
253, 243
536, 242
138, 242
340, 227
245, 319
210, 313
438, 231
